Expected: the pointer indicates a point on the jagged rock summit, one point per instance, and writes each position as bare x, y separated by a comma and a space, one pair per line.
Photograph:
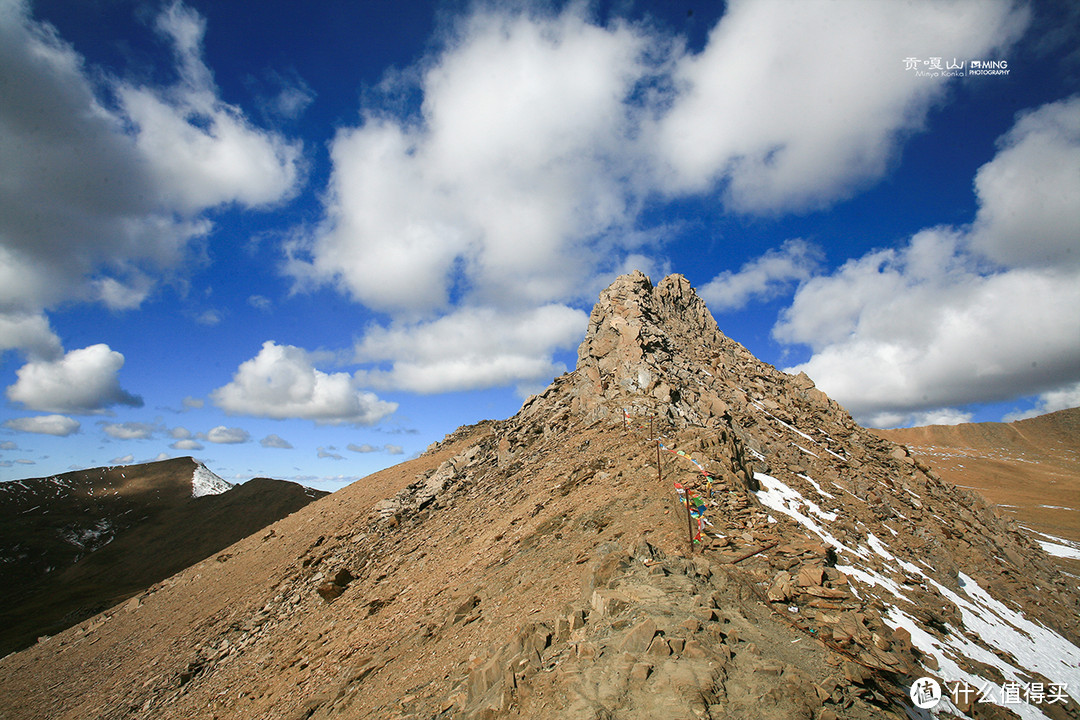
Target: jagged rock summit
541, 567
658, 350
656, 347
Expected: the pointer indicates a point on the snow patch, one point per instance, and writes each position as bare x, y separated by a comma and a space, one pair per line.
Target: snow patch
883, 550
1061, 551
871, 578
89, 538
204, 482
782, 498
1033, 647
1056, 546
817, 487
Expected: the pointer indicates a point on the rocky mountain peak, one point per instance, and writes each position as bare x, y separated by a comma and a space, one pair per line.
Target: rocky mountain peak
636, 329
657, 349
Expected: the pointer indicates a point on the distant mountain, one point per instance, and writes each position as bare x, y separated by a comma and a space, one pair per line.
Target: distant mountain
545, 567
1028, 468
74, 544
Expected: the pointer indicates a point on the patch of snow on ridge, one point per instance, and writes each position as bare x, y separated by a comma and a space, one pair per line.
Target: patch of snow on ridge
817, 487
1061, 551
870, 578
1056, 546
948, 670
204, 482
883, 550
1033, 647
782, 498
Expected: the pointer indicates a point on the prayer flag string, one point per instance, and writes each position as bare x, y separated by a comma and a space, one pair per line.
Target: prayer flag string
695, 503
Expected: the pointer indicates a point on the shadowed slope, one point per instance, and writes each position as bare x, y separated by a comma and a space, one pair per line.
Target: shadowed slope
81, 542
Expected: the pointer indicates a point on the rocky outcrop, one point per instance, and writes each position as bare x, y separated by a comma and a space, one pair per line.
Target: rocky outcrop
658, 350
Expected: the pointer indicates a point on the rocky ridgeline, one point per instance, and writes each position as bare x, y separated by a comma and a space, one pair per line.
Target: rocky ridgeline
658, 351
848, 538
539, 567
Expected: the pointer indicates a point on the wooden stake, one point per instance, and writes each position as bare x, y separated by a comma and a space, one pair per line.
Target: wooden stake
752, 553
659, 477
689, 520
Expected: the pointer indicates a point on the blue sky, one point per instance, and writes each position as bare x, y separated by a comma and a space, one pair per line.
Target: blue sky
307, 240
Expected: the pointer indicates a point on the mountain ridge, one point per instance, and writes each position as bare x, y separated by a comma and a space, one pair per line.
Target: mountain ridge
79, 542
542, 567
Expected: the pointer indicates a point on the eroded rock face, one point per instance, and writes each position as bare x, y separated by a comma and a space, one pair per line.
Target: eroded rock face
635, 332
658, 351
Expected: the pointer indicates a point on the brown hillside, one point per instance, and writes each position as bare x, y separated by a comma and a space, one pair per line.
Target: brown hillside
540, 567
1029, 468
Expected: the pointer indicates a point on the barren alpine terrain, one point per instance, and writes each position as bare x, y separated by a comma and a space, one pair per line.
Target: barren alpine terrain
1030, 469
672, 530
74, 544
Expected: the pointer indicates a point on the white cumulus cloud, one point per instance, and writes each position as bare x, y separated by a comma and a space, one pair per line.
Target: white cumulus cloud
226, 435
274, 440
366, 448
326, 453
151, 160
129, 430
82, 381
29, 332
900, 332
471, 348
204, 151
504, 183
58, 425
1029, 214
797, 104
764, 277
281, 382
